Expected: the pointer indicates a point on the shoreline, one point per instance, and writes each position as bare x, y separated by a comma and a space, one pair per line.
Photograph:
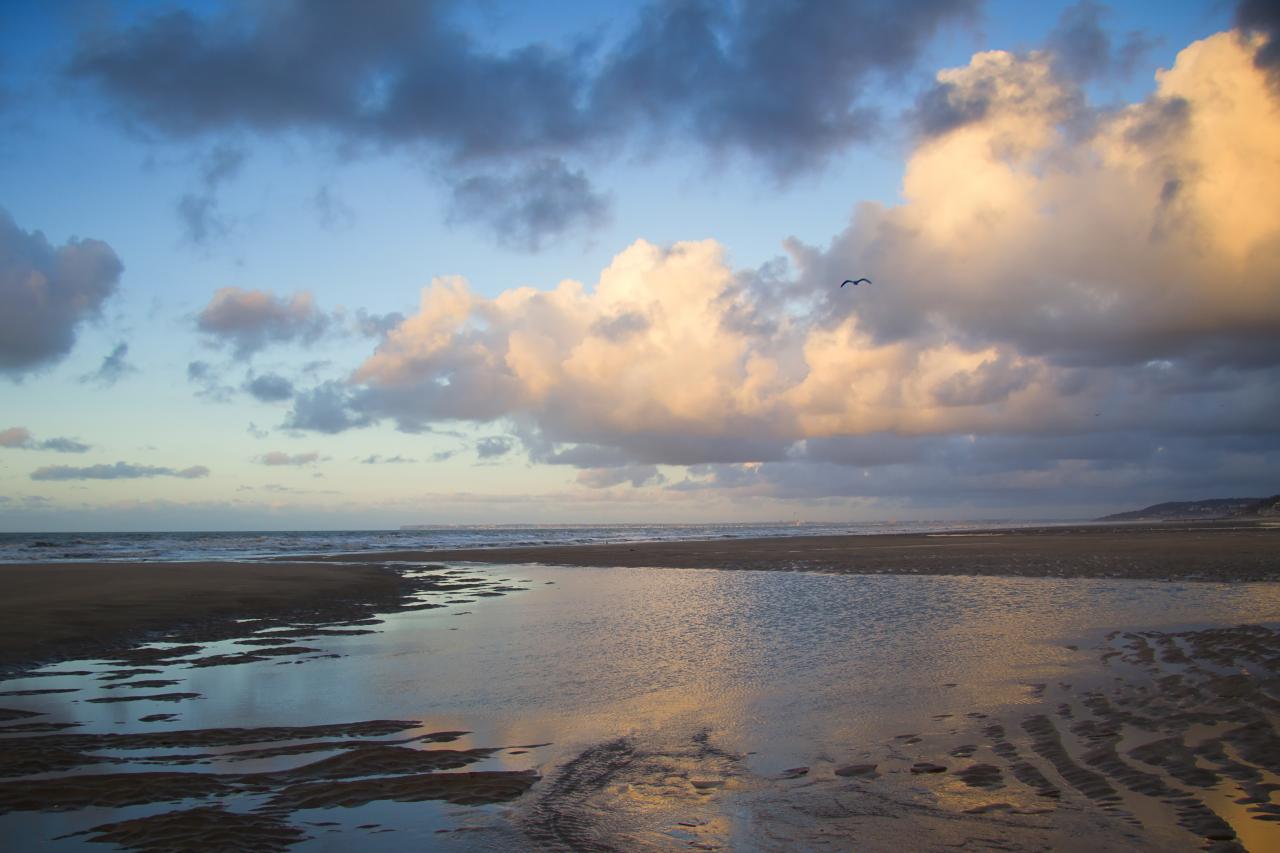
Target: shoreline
1195, 551
62, 611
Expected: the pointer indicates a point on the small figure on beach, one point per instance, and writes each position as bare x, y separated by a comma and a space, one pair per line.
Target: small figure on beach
855, 281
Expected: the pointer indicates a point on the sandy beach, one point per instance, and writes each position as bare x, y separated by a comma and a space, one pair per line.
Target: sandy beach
62, 609
925, 701
1206, 551
77, 609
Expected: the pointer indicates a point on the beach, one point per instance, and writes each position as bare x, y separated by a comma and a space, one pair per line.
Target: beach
52, 610
1224, 551
1029, 689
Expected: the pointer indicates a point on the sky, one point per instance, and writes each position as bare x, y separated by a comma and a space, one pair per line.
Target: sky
364, 264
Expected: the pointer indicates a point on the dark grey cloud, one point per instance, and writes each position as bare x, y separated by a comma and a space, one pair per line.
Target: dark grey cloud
249, 320
325, 408
279, 457
493, 446
118, 471
1262, 16
1083, 49
1013, 473
46, 293
114, 367
538, 204
390, 71
783, 83
20, 438
269, 388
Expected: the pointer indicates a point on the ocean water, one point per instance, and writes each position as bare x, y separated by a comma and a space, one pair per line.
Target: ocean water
41, 547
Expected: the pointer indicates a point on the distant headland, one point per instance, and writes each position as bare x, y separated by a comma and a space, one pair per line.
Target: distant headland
1216, 508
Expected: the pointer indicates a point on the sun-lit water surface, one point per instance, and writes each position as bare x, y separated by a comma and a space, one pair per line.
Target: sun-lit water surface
786, 669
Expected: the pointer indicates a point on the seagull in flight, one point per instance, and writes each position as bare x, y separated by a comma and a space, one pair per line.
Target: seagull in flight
855, 281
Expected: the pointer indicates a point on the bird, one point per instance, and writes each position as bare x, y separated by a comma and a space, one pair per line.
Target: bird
855, 281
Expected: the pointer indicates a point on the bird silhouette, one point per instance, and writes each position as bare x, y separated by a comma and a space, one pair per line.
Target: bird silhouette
855, 281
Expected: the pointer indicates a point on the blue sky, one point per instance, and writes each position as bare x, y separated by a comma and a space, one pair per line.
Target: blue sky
317, 176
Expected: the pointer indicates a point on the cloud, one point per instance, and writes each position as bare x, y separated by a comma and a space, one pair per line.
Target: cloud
332, 211
113, 367
1042, 277
46, 293
15, 437
539, 204
375, 459
279, 457
1261, 18
20, 438
325, 408
209, 381
269, 388
636, 475
250, 320
375, 325
1082, 48
781, 82
118, 471
201, 218
493, 446
786, 84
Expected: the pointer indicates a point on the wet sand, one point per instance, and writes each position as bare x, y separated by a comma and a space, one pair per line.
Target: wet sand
1169, 744
1206, 551
61, 610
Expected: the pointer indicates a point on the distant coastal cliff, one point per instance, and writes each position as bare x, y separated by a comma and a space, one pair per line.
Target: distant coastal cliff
1208, 509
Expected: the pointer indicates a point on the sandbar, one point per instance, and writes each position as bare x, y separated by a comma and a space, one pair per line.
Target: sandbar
1202, 551
61, 610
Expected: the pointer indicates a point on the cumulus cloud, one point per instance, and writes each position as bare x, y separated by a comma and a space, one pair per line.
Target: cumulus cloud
279, 457
1042, 277
249, 320
118, 471
114, 367
269, 388
539, 204
1261, 18
46, 293
20, 438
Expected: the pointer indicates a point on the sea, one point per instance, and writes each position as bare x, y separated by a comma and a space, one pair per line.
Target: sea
248, 545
